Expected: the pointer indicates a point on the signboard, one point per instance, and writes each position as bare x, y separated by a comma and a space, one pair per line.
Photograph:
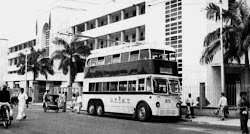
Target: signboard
166, 70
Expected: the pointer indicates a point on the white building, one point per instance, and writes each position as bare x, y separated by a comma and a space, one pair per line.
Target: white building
179, 23
3, 61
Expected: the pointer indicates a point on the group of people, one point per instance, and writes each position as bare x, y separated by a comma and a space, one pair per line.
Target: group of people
5, 100
76, 103
243, 108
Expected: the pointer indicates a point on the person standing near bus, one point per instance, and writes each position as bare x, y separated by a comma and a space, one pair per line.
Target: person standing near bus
190, 104
243, 107
223, 105
78, 103
22, 97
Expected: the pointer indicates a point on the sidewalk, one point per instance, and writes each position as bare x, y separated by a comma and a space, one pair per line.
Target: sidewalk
198, 119
215, 121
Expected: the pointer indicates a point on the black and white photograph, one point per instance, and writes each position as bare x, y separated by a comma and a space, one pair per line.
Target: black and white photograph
124, 66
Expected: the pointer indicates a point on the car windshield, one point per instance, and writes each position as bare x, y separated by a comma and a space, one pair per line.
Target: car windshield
166, 86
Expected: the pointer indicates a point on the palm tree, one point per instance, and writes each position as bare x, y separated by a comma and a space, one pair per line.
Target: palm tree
236, 35
35, 63
72, 56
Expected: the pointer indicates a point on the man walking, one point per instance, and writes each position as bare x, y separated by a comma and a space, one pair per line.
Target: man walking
243, 106
190, 109
222, 105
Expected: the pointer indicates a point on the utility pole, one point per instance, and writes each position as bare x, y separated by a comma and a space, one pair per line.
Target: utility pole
222, 52
26, 58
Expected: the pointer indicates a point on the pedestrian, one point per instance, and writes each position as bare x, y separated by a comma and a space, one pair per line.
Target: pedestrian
22, 97
222, 105
243, 106
44, 97
78, 104
73, 102
64, 98
190, 104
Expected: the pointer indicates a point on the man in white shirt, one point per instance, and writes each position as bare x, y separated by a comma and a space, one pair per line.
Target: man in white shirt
190, 109
222, 105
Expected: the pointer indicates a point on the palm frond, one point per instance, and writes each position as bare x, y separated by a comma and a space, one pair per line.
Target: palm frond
209, 52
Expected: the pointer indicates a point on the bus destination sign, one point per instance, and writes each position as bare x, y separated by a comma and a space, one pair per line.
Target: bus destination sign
166, 70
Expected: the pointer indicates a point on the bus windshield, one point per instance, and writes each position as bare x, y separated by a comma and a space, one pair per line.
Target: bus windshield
166, 86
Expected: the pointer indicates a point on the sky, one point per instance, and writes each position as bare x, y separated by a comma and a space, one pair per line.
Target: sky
18, 17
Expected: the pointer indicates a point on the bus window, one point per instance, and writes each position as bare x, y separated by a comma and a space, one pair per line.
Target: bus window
105, 86
167, 55
91, 87
134, 55
88, 63
124, 57
148, 84
100, 61
131, 85
160, 86
98, 87
174, 85
141, 85
123, 86
108, 59
116, 58
144, 54
172, 57
113, 86
94, 62
157, 54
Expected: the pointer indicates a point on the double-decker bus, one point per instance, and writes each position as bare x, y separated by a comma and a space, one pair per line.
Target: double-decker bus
138, 79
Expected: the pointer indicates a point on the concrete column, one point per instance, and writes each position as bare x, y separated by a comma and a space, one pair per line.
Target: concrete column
96, 23
85, 26
137, 10
238, 90
108, 40
109, 18
96, 44
122, 36
137, 34
122, 14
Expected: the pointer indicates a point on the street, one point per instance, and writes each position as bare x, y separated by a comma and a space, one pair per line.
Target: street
39, 122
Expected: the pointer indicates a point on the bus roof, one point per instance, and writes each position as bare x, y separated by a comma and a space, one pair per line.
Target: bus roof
127, 48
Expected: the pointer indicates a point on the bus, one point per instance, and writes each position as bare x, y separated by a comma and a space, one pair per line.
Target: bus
139, 79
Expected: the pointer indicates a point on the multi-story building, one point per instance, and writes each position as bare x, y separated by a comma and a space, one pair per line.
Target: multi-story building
181, 24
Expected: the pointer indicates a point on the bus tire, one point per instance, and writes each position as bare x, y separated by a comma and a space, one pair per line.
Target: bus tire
91, 109
100, 110
143, 112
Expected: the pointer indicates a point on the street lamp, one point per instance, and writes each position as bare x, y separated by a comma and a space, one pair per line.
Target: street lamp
222, 52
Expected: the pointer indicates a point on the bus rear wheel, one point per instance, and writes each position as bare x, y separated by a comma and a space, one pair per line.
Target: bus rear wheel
143, 112
91, 109
99, 110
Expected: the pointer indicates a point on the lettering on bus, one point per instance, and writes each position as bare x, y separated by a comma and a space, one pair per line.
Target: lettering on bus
120, 100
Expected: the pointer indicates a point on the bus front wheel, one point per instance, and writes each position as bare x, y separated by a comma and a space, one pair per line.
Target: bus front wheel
143, 112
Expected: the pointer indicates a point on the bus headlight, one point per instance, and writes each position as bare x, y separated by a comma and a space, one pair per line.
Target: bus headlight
178, 105
157, 104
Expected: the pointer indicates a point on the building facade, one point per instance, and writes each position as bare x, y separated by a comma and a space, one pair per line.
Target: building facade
179, 23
